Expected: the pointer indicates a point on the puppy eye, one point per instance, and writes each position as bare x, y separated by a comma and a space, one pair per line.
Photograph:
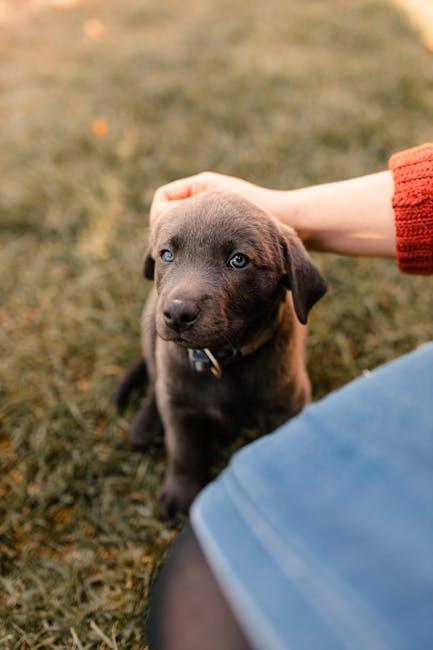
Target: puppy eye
166, 255
238, 261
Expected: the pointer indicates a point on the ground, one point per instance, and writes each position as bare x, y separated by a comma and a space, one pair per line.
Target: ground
102, 101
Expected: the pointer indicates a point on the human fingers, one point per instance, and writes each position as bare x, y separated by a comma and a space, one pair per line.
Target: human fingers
168, 195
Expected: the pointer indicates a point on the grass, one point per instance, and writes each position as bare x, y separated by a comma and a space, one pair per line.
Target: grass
282, 93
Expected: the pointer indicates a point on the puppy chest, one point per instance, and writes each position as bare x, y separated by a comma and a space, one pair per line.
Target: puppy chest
235, 401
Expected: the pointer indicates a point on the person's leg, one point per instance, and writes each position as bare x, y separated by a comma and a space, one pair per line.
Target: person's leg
319, 535
188, 610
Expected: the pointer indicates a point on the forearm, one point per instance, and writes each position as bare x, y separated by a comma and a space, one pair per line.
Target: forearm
353, 217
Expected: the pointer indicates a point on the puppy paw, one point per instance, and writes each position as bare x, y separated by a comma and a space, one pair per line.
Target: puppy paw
138, 439
177, 495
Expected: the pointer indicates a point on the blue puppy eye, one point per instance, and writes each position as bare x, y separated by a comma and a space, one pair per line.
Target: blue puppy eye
167, 255
238, 261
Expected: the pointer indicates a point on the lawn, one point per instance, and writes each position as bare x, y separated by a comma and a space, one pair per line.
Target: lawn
100, 102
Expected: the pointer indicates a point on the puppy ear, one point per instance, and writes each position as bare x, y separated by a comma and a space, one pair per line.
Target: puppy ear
149, 266
301, 276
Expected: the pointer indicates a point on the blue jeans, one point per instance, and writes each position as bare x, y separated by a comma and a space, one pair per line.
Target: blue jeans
321, 534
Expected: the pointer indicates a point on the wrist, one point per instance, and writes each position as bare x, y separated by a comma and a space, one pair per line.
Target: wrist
351, 217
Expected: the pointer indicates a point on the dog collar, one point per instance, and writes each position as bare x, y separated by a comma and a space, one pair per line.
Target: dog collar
214, 361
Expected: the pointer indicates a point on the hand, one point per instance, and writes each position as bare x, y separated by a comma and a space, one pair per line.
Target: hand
167, 196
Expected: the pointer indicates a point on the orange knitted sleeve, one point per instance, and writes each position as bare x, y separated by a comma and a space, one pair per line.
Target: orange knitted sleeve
413, 208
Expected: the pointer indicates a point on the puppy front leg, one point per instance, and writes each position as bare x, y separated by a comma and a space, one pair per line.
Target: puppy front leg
187, 440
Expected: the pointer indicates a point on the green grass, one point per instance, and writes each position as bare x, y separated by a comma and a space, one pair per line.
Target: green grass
282, 93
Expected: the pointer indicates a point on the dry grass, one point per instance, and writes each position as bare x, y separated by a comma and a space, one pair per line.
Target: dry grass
94, 116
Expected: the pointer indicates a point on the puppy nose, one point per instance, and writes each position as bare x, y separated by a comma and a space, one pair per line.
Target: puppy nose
180, 314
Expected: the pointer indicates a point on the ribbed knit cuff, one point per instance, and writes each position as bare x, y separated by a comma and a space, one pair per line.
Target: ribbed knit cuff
413, 208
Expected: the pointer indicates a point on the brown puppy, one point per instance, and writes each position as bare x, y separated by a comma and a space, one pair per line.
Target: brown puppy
222, 333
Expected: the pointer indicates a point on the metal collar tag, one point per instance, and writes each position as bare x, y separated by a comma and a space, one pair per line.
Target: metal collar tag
204, 361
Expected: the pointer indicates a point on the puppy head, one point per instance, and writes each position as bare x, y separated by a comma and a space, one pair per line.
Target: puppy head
221, 268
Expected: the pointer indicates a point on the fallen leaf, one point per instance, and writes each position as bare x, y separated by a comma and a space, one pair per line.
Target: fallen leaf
94, 29
99, 127
83, 385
